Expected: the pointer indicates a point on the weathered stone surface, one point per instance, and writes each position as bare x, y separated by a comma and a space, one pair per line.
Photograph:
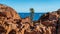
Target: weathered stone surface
51, 19
12, 23
9, 12
8, 19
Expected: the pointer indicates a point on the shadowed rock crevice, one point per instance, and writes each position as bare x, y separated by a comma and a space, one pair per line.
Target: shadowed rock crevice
12, 32
2, 30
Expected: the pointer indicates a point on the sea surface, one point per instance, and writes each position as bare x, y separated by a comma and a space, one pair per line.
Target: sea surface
36, 15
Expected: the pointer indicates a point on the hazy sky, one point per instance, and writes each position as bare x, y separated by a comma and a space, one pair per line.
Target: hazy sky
38, 5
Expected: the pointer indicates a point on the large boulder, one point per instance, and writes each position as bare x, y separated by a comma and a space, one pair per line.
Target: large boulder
51, 19
8, 20
9, 12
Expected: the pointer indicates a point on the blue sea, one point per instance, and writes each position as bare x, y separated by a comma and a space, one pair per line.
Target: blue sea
36, 15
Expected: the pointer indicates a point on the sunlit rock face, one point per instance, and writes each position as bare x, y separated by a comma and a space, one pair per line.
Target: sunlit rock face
27, 19
51, 20
8, 12
12, 23
8, 20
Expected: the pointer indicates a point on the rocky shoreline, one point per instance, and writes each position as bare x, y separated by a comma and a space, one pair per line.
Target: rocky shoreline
12, 23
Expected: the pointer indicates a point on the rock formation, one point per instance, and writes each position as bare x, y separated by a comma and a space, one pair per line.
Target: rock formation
51, 20
8, 19
9, 12
12, 23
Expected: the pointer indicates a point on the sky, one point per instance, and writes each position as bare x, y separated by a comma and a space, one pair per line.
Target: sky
40, 6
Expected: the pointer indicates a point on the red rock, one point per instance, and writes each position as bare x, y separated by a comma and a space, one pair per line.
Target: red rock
10, 22
27, 19
9, 12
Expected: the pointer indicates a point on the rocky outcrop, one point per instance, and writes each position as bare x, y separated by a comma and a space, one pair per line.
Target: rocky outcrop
51, 20
8, 20
9, 12
12, 23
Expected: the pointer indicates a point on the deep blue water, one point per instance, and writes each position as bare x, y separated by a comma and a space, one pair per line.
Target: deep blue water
36, 15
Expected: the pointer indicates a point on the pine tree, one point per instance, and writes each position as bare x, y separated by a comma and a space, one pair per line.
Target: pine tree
31, 13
